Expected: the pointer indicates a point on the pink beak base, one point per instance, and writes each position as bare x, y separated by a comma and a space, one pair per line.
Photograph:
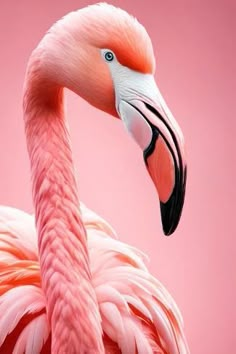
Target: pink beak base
167, 170
164, 158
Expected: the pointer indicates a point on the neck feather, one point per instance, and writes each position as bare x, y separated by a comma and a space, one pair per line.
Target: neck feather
64, 263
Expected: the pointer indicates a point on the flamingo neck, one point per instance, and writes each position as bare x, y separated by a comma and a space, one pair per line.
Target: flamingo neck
63, 255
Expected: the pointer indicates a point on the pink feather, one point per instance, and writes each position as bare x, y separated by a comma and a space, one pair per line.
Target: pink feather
33, 336
119, 288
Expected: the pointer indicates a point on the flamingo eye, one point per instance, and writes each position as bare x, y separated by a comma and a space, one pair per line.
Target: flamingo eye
109, 56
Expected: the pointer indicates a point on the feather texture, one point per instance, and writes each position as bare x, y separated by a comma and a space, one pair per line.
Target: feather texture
138, 314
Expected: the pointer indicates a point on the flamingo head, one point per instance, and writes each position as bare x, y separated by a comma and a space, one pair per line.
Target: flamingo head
110, 58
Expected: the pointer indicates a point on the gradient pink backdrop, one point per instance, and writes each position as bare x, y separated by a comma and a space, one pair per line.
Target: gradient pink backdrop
193, 42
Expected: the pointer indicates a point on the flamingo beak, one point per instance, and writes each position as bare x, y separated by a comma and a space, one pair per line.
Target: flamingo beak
149, 121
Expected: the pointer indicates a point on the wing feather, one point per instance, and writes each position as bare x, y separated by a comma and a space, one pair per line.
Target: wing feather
15, 304
138, 314
33, 336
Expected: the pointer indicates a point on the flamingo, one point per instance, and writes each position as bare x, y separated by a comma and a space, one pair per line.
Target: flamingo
69, 285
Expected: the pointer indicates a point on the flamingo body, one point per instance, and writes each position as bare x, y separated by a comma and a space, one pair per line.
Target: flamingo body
138, 314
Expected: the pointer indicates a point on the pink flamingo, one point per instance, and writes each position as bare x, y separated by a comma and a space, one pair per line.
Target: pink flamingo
76, 288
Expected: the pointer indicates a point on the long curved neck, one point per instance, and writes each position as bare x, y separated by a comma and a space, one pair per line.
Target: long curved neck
64, 263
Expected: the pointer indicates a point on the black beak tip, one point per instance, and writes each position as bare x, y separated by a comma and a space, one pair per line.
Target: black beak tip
167, 218
171, 210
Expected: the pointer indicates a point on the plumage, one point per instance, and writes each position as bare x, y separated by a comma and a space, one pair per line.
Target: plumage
131, 301
67, 283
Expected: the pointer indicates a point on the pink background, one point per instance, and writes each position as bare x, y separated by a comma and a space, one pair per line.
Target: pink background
193, 42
